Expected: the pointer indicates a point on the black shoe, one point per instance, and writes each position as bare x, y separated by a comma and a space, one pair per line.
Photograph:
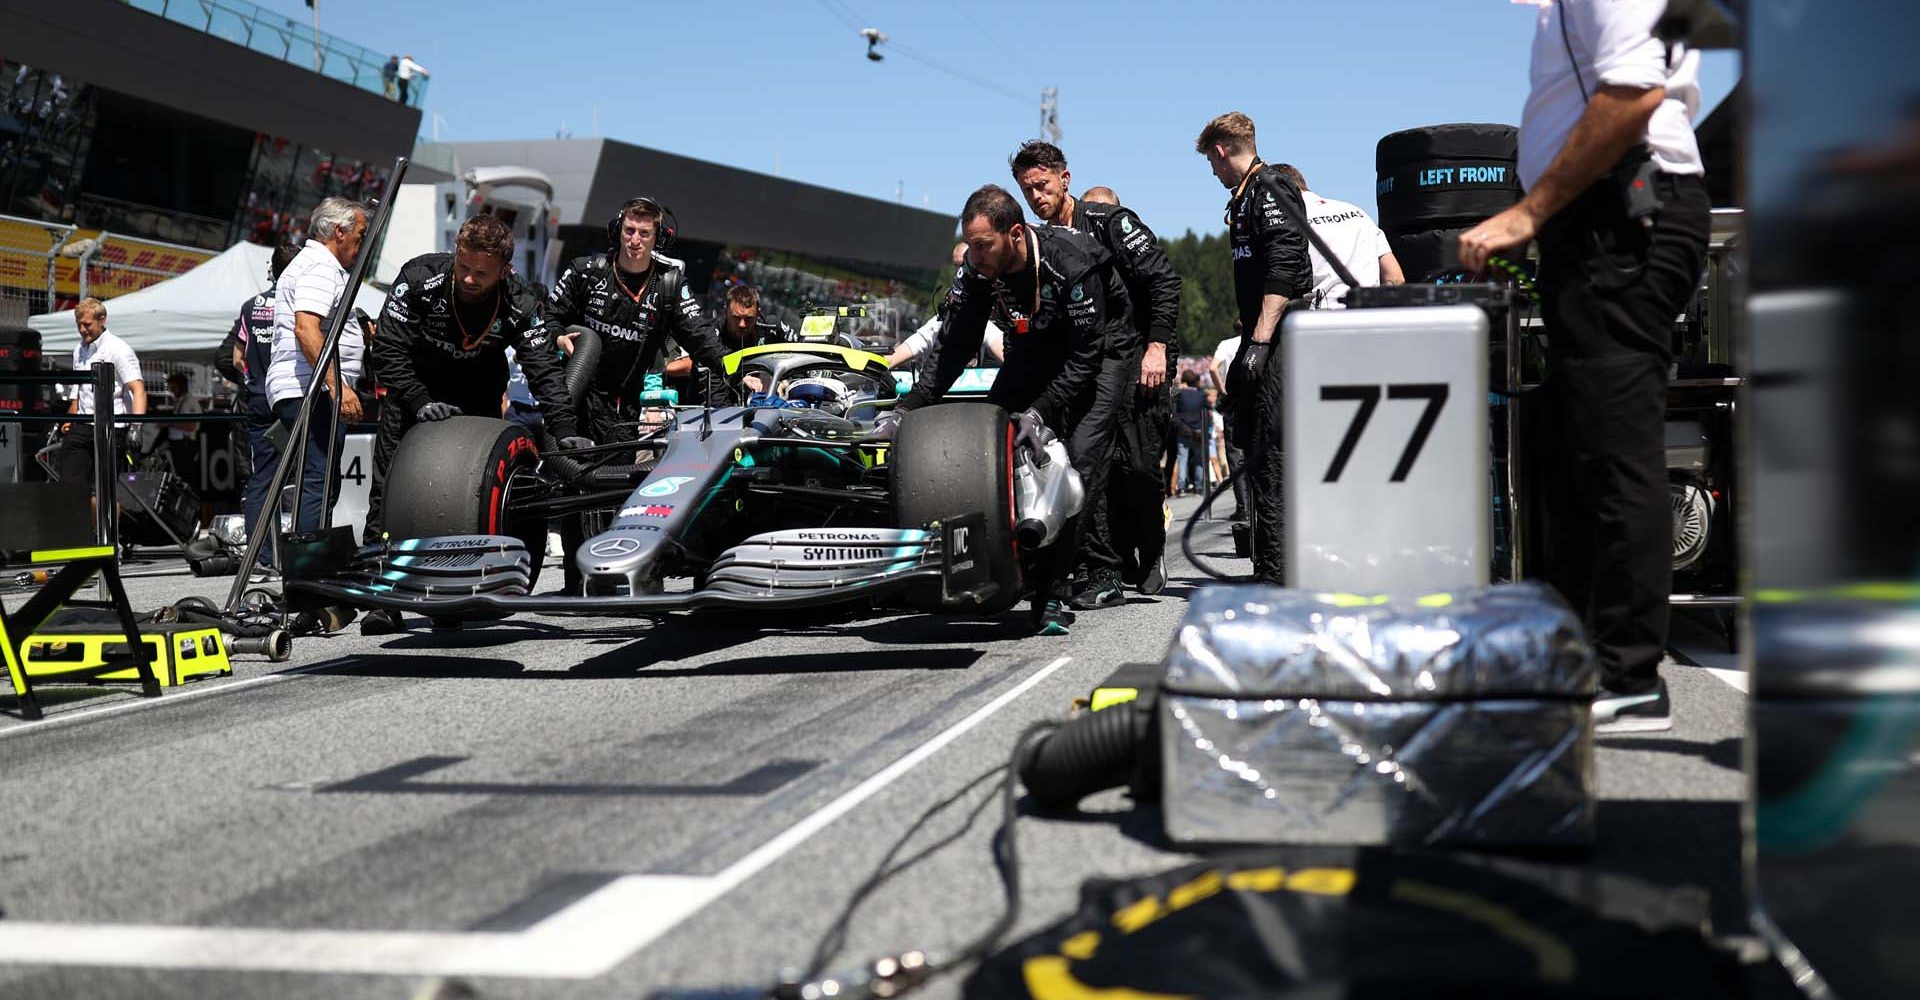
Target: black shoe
1242, 540
1050, 617
1155, 579
380, 621
1100, 590
1648, 712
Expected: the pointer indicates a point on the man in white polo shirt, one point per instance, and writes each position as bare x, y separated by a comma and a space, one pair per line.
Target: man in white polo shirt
1616, 196
73, 460
304, 296
1351, 234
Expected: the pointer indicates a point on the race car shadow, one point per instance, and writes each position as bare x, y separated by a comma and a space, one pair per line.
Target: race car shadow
623, 663
922, 630
486, 635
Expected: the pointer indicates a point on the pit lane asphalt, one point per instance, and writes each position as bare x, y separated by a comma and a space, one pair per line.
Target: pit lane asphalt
572, 750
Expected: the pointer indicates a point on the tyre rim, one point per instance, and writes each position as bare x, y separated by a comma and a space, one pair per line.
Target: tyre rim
1692, 529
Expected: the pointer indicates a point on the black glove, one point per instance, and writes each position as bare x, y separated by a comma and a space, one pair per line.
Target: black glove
1244, 376
1030, 430
574, 443
887, 424
436, 411
725, 393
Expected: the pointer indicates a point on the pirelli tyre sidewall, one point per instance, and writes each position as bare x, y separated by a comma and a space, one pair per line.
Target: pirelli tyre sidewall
455, 476
953, 459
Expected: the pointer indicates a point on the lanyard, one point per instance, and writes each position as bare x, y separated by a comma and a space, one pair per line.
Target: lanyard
1020, 323
1242, 187
468, 341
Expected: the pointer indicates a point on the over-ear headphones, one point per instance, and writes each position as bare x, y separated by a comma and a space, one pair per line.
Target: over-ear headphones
669, 225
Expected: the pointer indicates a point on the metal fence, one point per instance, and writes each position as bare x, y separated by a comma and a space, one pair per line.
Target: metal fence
284, 38
48, 266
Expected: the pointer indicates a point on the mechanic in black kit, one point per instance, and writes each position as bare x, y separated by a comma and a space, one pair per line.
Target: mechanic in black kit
1055, 292
743, 327
1271, 268
1126, 531
442, 351
635, 298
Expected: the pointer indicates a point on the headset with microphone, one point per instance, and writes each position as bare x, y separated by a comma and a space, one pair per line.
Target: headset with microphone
669, 224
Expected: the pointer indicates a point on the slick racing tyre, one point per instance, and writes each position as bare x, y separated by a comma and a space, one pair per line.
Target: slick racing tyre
455, 477
954, 459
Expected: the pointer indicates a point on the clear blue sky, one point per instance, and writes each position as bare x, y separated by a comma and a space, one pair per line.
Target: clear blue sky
785, 87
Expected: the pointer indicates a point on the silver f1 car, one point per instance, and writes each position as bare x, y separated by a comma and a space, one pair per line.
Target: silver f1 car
791, 501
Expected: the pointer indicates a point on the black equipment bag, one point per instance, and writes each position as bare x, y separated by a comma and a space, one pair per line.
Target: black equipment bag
156, 508
1331, 923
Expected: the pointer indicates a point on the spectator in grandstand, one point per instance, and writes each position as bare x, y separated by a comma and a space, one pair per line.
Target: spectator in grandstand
73, 457
404, 74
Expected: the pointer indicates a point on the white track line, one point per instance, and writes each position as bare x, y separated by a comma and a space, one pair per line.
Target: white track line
168, 696
1735, 679
584, 940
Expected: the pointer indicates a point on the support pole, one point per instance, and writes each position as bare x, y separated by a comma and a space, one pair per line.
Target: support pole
297, 437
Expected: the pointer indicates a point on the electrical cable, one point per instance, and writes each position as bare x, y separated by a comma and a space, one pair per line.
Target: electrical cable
852, 19
929, 61
994, 44
835, 937
844, 15
894, 975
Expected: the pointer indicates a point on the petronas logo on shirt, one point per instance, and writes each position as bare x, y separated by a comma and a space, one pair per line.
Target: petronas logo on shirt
1079, 293
1126, 224
1046, 293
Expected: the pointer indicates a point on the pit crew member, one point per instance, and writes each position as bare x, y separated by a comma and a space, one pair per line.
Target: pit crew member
1055, 292
1125, 528
1271, 267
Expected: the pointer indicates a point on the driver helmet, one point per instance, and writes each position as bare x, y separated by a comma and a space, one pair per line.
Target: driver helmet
819, 391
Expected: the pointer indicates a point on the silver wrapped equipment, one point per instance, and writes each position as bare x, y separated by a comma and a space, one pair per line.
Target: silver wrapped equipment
1294, 717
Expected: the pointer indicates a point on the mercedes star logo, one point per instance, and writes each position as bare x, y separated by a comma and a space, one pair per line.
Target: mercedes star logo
609, 548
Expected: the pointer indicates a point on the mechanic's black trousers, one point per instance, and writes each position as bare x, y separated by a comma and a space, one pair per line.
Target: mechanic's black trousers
1136, 492
1610, 289
1091, 440
1257, 425
386, 440
1235, 459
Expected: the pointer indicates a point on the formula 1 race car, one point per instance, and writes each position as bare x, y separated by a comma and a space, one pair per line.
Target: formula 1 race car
790, 501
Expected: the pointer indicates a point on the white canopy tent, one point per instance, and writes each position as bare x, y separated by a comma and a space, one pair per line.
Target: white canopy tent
188, 313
